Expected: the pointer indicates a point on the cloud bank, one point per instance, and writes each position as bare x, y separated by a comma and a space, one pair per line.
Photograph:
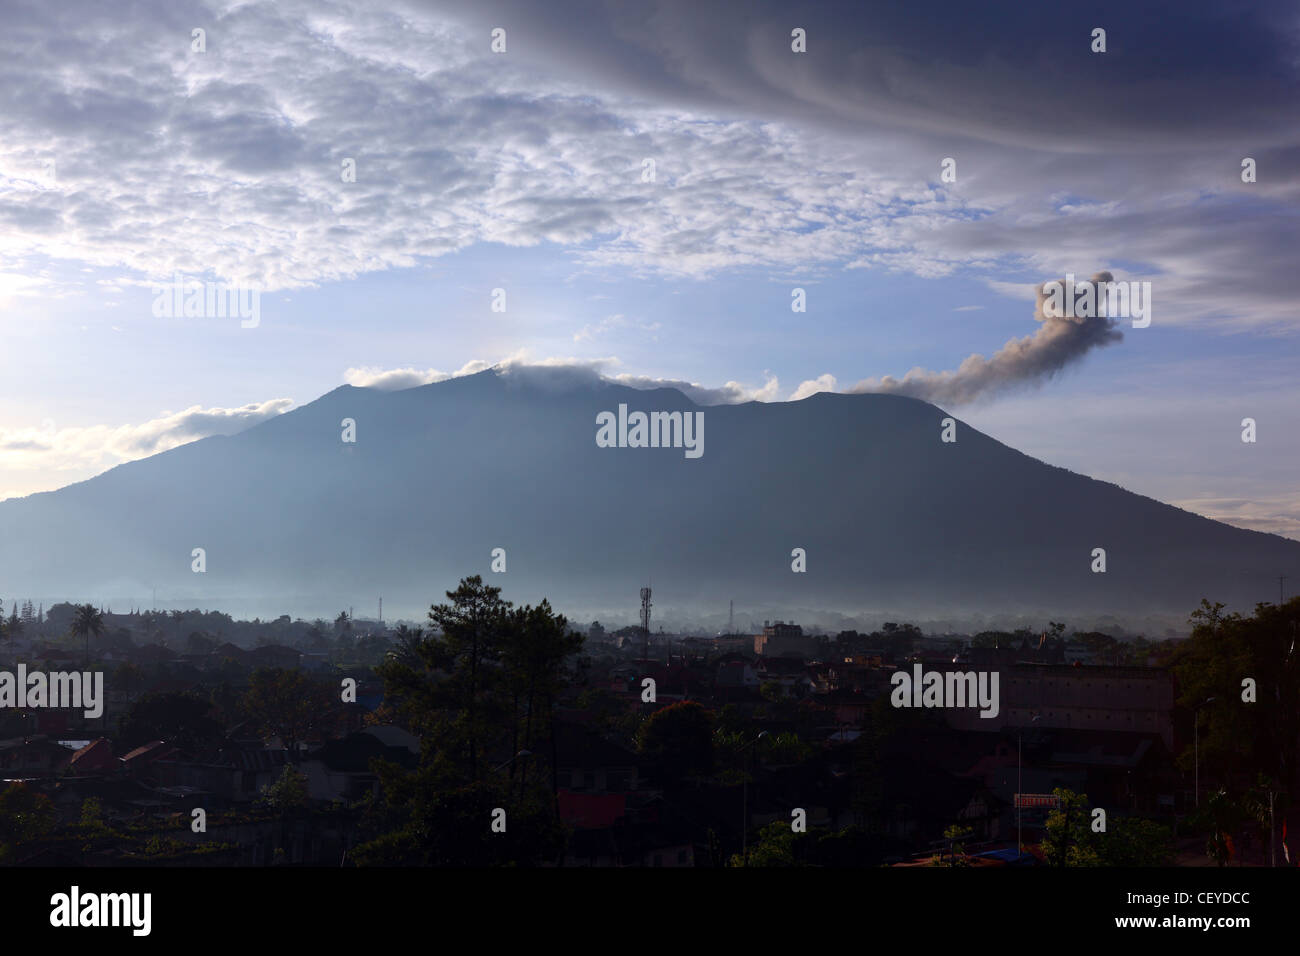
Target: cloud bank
86, 450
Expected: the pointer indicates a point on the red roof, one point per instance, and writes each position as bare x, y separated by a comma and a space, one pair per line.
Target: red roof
147, 754
95, 757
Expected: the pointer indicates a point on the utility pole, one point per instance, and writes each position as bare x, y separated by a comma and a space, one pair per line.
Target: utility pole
1020, 842
645, 620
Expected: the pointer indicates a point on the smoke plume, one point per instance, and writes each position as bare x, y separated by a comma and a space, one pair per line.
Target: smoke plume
1029, 361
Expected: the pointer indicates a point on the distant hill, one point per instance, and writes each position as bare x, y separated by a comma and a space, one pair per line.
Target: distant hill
292, 519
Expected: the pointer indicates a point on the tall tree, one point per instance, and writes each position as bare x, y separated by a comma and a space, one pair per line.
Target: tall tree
677, 741
182, 719
406, 646
485, 681
87, 621
536, 646
466, 646
290, 705
1223, 651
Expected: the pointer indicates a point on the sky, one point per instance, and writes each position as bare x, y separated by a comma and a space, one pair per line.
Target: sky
129, 156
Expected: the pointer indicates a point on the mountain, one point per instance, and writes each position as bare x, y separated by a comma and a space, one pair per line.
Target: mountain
293, 519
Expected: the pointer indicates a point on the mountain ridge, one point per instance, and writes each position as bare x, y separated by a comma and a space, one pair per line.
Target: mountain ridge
441, 474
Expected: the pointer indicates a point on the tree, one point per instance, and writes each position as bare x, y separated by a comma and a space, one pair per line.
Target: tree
181, 719
536, 644
1224, 814
92, 813
1069, 834
775, 847
1133, 841
25, 815
288, 792
453, 694
1237, 741
87, 621
484, 683
290, 705
677, 741
316, 634
406, 646
198, 643
956, 855
446, 826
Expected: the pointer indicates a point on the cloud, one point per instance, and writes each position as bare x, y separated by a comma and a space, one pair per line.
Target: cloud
609, 323
1027, 361
565, 373
1271, 513
89, 449
227, 163
823, 383
873, 63
394, 379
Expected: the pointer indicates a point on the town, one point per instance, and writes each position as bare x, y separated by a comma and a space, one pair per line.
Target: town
496, 734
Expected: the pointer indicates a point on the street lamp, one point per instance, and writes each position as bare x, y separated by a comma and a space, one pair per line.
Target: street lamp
1196, 747
744, 824
1020, 843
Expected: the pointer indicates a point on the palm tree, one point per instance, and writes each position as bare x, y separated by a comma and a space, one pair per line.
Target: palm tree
406, 650
88, 621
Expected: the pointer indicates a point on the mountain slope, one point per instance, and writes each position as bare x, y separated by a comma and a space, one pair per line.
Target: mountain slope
292, 518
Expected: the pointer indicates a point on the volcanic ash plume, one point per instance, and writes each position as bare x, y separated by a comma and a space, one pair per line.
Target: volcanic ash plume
1059, 341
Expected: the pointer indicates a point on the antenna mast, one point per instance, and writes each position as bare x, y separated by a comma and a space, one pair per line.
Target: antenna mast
645, 619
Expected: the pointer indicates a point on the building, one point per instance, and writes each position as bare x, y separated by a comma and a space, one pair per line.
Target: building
1079, 697
780, 639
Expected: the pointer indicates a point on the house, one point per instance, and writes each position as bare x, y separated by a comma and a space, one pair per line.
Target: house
236, 771
587, 763
94, 758
139, 760
275, 656
737, 672
780, 639
341, 769
790, 674
25, 757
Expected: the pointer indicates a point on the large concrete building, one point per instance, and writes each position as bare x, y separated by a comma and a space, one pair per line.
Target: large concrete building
1079, 697
780, 639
